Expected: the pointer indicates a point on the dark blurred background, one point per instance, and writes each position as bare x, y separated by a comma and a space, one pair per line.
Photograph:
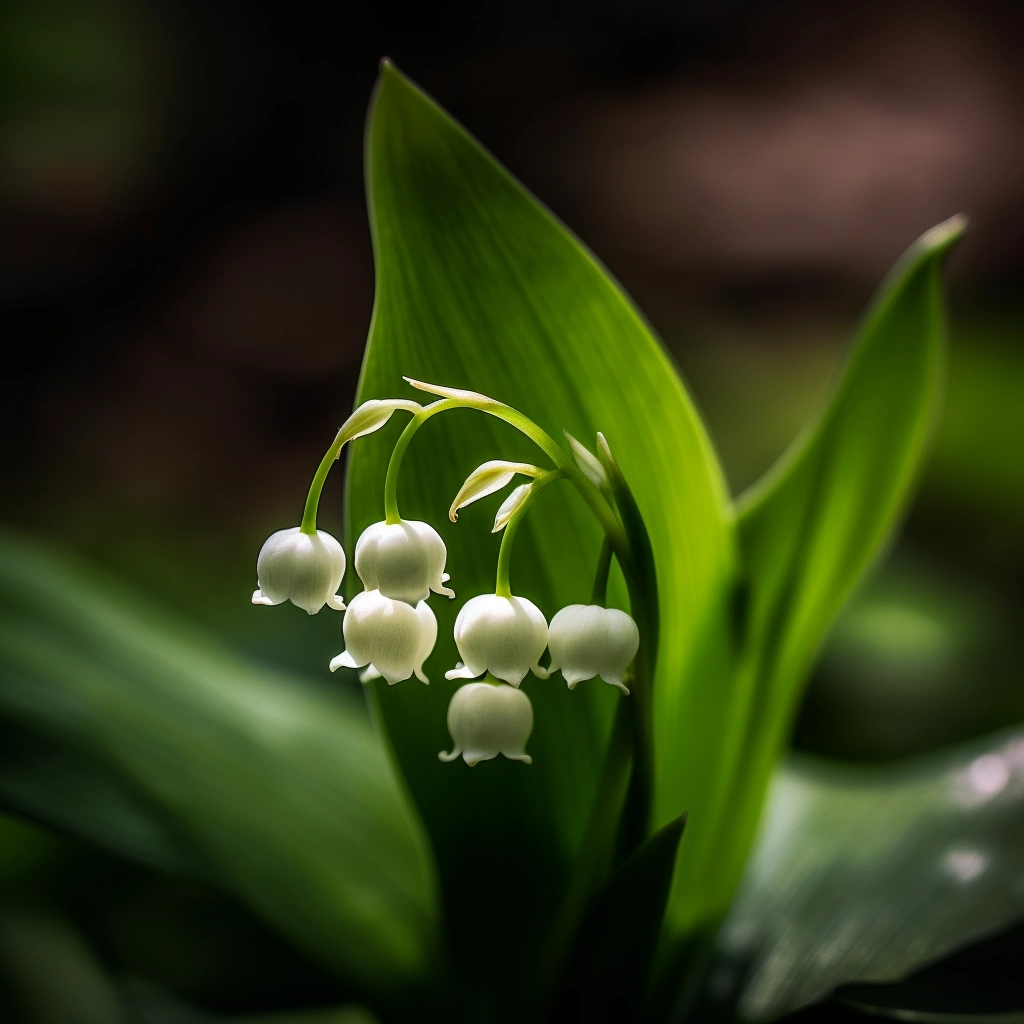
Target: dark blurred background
187, 280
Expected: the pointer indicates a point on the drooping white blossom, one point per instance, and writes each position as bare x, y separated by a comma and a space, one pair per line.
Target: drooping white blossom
487, 720
404, 560
587, 640
304, 568
502, 635
392, 637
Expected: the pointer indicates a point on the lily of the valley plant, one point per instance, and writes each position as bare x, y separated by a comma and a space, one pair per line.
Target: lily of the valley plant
560, 639
566, 882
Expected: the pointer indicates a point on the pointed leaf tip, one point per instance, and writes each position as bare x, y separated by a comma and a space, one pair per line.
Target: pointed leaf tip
943, 235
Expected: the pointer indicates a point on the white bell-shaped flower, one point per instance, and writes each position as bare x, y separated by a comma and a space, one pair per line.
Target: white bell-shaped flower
487, 720
304, 568
404, 561
502, 635
392, 637
587, 640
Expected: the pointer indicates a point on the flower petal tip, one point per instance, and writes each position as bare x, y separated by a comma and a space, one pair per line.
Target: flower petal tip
460, 672
343, 660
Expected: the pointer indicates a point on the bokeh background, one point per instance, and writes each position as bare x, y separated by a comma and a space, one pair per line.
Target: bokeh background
186, 281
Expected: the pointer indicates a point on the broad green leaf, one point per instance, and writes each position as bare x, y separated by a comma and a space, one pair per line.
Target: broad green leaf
867, 873
807, 533
275, 787
70, 790
479, 287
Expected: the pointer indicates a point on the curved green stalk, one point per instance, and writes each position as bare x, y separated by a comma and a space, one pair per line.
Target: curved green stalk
313, 497
501, 584
391, 515
454, 399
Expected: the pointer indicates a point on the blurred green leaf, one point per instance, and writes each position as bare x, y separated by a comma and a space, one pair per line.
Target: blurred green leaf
177, 751
70, 790
919, 658
810, 529
52, 974
478, 286
868, 873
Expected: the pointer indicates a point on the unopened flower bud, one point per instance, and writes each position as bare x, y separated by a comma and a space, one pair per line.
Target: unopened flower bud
404, 561
487, 720
371, 416
587, 640
459, 393
304, 568
391, 636
502, 635
487, 479
510, 506
588, 463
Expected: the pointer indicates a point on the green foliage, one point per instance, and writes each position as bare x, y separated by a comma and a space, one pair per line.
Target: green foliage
605, 980
479, 287
807, 533
887, 868
130, 729
140, 733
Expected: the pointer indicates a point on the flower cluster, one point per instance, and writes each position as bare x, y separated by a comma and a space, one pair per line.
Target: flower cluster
389, 628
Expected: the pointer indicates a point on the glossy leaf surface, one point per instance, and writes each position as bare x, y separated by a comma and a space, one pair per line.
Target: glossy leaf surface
174, 750
865, 874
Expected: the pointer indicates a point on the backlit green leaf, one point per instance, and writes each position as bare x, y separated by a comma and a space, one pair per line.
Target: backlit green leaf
807, 533
479, 287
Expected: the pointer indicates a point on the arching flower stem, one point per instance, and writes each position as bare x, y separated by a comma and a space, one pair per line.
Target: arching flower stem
368, 417
391, 515
501, 582
455, 399
308, 524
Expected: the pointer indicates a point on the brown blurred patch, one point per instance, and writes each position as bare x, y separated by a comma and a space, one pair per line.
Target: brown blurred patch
825, 160
289, 293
